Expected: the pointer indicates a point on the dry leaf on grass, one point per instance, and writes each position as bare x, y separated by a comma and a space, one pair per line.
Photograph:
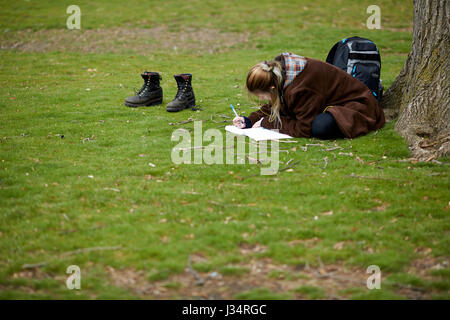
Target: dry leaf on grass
339, 245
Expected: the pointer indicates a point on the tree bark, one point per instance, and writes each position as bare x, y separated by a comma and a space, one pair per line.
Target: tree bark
420, 95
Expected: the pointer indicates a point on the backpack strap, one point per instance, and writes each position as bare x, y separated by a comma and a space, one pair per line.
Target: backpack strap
364, 56
331, 54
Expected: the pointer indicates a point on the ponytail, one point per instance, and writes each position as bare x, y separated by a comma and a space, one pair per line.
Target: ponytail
267, 77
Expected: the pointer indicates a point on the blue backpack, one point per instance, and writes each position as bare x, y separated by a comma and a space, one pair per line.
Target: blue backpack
360, 58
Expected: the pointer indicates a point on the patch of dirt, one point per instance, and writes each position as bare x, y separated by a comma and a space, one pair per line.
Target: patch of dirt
34, 273
333, 278
122, 40
309, 243
262, 273
423, 266
246, 248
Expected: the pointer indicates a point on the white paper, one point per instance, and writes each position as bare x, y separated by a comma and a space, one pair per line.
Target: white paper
257, 134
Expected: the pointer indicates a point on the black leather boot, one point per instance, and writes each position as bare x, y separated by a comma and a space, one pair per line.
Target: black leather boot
185, 97
150, 94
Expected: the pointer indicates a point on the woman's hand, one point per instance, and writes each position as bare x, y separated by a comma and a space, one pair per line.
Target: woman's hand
239, 122
258, 123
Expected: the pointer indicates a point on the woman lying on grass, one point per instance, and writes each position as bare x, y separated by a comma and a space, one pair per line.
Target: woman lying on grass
310, 98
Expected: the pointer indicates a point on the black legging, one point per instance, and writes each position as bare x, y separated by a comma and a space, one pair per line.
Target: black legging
325, 127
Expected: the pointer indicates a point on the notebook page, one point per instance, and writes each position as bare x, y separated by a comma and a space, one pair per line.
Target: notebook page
257, 134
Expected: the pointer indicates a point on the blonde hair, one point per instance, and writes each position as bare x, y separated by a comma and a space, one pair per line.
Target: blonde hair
266, 77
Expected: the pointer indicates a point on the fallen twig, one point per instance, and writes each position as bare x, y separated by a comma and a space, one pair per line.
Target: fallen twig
186, 121
191, 192
215, 121
202, 147
365, 177
290, 166
439, 162
88, 139
406, 160
253, 160
435, 174
314, 145
75, 230
307, 266
326, 162
350, 154
333, 148
199, 280
220, 121
320, 262
34, 265
190, 148
65, 254
83, 250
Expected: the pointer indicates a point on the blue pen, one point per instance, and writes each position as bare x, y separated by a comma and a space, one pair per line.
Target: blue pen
232, 108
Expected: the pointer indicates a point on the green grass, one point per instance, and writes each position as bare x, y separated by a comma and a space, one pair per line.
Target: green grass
310, 292
232, 270
261, 294
59, 194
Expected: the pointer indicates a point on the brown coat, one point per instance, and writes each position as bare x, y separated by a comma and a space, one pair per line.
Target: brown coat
318, 86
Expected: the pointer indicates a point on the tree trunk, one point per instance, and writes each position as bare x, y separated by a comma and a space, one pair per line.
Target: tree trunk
421, 93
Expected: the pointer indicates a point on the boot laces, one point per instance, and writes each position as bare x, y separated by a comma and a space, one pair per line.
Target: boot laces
144, 88
181, 90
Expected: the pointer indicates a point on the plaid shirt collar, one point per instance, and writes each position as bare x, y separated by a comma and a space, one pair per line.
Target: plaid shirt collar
294, 64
